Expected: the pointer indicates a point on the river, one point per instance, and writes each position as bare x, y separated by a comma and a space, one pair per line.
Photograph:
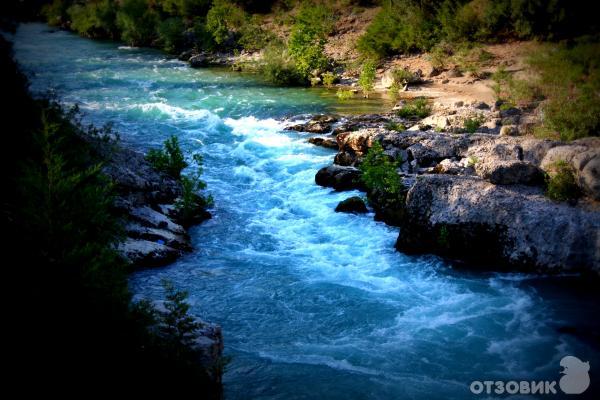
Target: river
313, 304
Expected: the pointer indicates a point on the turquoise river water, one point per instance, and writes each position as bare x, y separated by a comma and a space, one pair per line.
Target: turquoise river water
313, 304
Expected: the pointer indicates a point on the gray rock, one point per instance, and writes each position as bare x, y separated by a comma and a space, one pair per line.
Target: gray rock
353, 205
147, 254
161, 236
199, 61
152, 218
509, 130
448, 166
323, 142
339, 178
509, 172
509, 226
317, 124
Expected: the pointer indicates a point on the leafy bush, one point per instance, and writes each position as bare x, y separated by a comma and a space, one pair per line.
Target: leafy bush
169, 159
278, 67
417, 108
560, 182
170, 34
329, 78
253, 37
395, 126
380, 177
95, 20
137, 21
570, 82
306, 44
366, 80
472, 124
344, 95
192, 205
56, 12
402, 27
223, 21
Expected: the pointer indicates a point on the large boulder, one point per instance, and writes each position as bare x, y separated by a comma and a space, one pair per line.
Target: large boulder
353, 205
509, 172
339, 178
516, 226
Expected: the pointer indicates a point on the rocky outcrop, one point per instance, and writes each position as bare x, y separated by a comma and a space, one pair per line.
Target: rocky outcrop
513, 226
339, 178
155, 228
509, 172
206, 342
206, 59
317, 124
352, 205
323, 142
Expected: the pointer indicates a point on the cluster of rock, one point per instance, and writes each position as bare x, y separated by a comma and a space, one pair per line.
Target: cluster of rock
478, 197
146, 199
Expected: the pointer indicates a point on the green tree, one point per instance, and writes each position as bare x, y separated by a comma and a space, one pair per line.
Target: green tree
366, 80
137, 21
223, 21
308, 36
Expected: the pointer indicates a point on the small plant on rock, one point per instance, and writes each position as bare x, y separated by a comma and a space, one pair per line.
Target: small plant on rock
169, 159
472, 124
379, 173
418, 108
560, 182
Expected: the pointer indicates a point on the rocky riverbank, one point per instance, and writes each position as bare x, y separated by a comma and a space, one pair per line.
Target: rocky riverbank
476, 197
156, 232
146, 200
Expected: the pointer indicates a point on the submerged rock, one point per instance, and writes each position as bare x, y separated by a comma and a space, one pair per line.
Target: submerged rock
353, 205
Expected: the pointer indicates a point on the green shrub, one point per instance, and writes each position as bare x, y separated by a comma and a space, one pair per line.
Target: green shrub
570, 82
417, 108
137, 22
223, 20
471, 125
94, 20
560, 182
395, 126
329, 79
403, 27
170, 34
56, 12
379, 176
306, 43
169, 159
278, 67
253, 37
344, 95
366, 80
